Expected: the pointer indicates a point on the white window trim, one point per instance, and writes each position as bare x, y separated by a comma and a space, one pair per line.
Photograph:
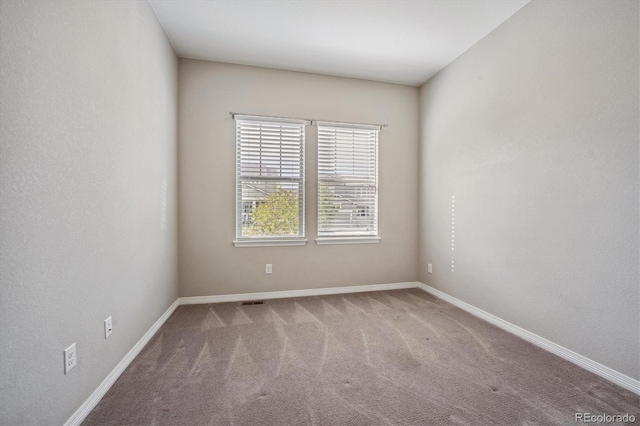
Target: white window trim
270, 242
269, 119
377, 127
347, 240
299, 240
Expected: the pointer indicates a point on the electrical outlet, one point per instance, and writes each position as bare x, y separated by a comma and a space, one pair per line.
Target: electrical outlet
268, 269
108, 327
70, 358
429, 268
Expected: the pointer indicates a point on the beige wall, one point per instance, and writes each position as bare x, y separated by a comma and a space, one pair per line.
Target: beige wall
209, 263
88, 141
534, 130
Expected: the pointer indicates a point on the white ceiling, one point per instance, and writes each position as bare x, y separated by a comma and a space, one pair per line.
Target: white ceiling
398, 41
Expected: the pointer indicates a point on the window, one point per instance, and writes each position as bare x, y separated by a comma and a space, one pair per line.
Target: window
347, 183
269, 181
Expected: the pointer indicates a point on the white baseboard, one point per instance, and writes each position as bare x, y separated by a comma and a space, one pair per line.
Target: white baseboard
294, 293
84, 410
614, 376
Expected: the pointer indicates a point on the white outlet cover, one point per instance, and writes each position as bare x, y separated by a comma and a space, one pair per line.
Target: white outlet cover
268, 269
108, 327
430, 268
70, 358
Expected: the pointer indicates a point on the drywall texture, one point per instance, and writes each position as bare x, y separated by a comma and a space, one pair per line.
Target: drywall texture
209, 263
534, 131
88, 95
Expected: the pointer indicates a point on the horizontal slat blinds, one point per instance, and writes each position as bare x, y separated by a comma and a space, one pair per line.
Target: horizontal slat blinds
269, 178
347, 180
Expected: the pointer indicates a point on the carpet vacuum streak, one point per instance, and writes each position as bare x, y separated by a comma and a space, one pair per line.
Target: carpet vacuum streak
399, 357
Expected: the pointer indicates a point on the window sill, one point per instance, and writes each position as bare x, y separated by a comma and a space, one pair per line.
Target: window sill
270, 243
348, 240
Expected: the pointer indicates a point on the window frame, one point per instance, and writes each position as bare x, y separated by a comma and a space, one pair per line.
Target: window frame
269, 240
350, 238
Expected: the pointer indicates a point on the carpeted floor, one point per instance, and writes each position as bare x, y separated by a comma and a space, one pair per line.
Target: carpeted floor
397, 357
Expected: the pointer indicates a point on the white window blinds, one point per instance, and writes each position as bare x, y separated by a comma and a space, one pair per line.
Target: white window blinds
347, 180
269, 178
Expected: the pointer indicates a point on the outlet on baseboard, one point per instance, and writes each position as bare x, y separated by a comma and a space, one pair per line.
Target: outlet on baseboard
70, 358
429, 268
268, 269
108, 327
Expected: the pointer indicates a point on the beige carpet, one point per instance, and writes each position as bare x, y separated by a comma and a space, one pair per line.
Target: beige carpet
386, 358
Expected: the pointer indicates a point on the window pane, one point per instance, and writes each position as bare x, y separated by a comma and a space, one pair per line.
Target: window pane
270, 208
347, 210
